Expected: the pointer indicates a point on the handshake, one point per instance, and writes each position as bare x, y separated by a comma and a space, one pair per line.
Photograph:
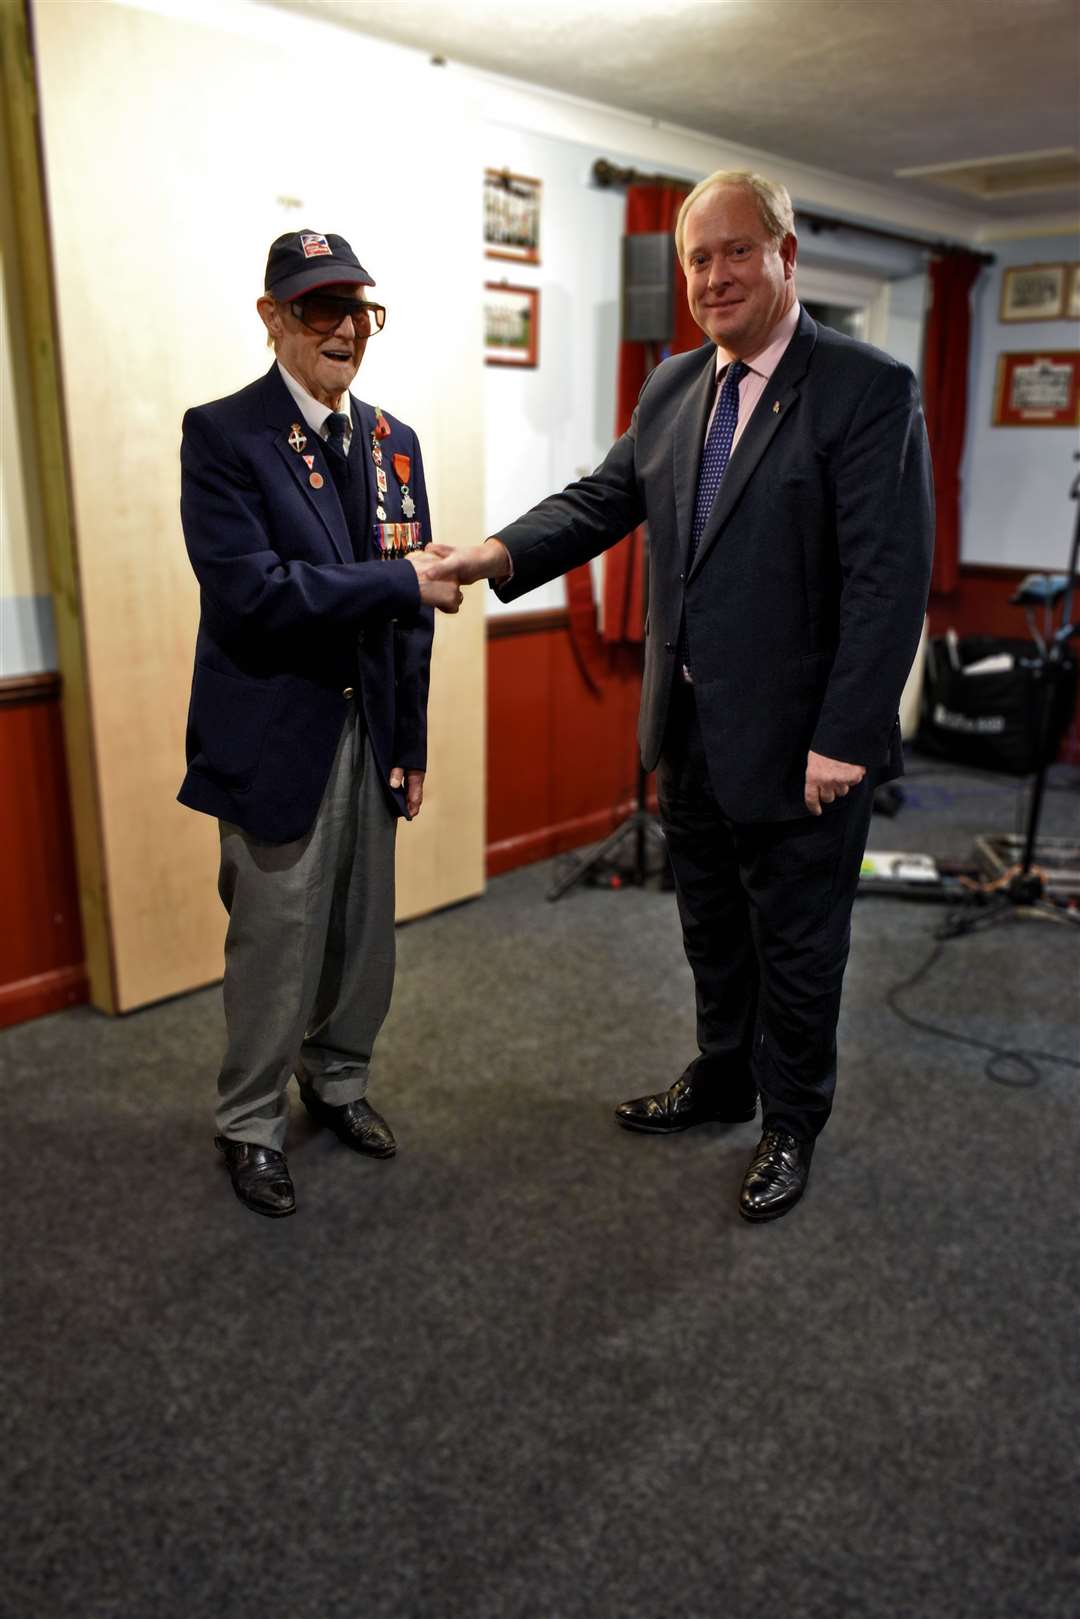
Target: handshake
443, 569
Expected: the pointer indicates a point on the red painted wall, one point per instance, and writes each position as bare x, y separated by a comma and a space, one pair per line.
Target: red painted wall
41, 945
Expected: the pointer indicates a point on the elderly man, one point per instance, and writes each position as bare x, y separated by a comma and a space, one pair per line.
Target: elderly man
784, 473
306, 518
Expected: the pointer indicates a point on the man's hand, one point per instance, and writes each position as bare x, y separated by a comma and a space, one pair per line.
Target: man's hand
828, 779
472, 562
438, 578
414, 787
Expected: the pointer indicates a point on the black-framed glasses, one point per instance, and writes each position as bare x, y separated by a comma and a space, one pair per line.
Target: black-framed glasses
321, 313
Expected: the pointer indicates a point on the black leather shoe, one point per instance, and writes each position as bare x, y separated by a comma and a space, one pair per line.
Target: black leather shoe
355, 1123
777, 1176
260, 1177
682, 1105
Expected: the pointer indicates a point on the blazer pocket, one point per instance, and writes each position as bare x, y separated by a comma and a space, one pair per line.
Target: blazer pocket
230, 717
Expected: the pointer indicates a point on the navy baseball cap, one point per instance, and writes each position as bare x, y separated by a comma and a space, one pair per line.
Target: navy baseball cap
304, 260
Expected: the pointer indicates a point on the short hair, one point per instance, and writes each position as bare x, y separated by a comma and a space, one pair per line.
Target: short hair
773, 203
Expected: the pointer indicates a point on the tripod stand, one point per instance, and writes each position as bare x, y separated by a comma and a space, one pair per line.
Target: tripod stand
1023, 892
641, 828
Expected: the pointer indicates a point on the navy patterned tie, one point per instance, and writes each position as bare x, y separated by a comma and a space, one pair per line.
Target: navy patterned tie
337, 424
714, 459
717, 452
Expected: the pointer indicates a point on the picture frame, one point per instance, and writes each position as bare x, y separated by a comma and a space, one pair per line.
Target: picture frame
1037, 389
511, 325
511, 216
1072, 293
1033, 292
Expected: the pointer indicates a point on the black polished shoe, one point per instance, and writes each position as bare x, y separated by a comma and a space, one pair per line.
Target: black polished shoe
777, 1176
260, 1177
355, 1123
682, 1105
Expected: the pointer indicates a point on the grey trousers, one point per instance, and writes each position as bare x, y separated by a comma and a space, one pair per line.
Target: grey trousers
309, 953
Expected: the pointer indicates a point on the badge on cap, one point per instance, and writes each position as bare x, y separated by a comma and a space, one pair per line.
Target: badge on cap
315, 246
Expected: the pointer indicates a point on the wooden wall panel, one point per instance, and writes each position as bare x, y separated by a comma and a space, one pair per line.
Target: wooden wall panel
41, 941
159, 244
562, 761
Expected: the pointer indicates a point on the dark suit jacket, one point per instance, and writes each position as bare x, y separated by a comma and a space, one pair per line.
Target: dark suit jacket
804, 604
289, 620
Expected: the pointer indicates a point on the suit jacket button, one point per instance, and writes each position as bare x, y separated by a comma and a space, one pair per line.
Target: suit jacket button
682, 577
348, 692
669, 646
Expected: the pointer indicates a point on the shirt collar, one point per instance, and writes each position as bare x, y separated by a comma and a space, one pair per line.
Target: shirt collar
312, 411
767, 358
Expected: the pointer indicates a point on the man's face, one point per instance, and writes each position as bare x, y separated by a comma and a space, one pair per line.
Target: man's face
325, 363
738, 280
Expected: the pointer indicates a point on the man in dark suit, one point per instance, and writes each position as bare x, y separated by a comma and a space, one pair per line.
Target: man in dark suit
305, 517
784, 474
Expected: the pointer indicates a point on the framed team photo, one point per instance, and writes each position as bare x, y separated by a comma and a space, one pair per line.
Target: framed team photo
1033, 292
511, 216
511, 325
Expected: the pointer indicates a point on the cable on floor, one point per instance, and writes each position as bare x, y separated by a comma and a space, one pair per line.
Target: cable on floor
1025, 1072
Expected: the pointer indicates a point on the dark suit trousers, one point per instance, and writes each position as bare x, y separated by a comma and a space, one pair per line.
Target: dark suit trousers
766, 917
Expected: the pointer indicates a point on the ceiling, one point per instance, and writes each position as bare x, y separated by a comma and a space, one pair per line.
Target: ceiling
862, 88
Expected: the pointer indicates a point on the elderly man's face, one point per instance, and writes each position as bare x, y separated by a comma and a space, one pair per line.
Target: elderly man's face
739, 282
324, 363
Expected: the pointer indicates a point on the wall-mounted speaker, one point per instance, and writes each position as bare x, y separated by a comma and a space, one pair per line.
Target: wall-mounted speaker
648, 287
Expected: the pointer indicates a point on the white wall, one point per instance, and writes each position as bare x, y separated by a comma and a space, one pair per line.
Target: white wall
1015, 509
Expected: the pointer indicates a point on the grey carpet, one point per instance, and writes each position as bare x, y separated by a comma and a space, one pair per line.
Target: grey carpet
536, 1367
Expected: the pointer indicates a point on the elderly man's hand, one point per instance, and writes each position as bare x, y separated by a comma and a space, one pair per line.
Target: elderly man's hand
828, 780
413, 782
438, 578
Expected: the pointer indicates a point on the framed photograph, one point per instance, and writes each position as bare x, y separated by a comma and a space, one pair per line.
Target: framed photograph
511, 216
1038, 390
1072, 294
511, 325
1033, 292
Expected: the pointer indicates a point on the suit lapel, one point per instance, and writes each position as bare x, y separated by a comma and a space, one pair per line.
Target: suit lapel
779, 396
282, 415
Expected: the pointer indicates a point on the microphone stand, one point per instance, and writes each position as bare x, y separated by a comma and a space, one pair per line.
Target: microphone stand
640, 826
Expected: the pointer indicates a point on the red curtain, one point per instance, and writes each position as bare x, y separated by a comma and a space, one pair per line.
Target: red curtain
945, 375
648, 208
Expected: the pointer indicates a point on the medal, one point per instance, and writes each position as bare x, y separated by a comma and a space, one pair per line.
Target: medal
402, 468
380, 513
297, 441
376, 455
380, 479
315, 479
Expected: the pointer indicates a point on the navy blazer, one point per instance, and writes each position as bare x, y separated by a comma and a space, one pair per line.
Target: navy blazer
805, 601
289, 622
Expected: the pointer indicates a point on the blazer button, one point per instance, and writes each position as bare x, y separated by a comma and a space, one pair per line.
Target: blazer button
348, 692
682, 577
669, 646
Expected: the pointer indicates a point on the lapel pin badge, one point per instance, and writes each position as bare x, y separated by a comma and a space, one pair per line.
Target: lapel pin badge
297, 441
776, 408
315, 479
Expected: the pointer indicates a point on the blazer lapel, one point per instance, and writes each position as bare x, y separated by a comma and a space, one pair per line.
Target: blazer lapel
691, 420
283, 415
781, 392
